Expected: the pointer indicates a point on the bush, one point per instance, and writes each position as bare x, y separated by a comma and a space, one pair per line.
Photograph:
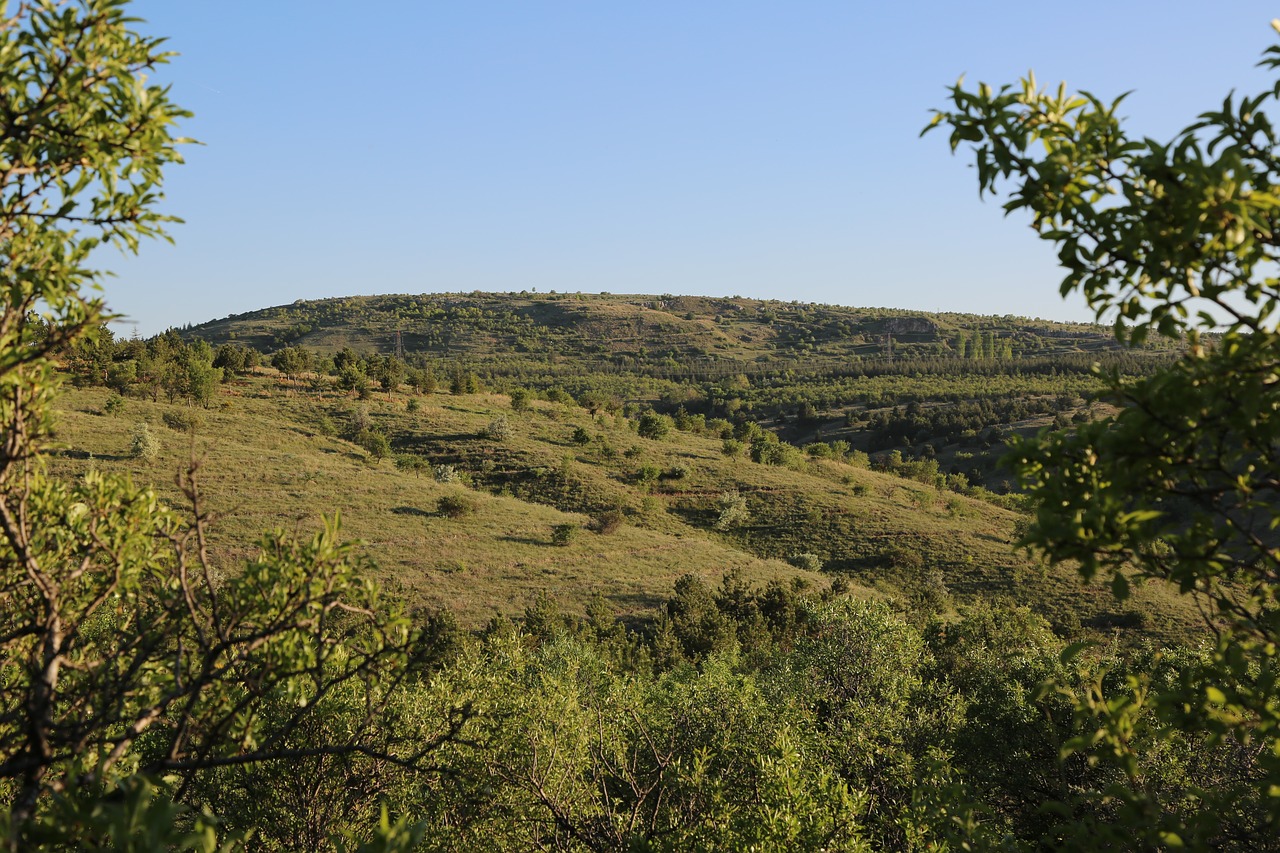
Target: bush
374, 443
142, 444
563, 534
446, 474
176, 419
412, 406
581, 437
519, 400
410, 462
114, 405
808, 562
499, 429
456, 506
653, 425
608, 521
733, 510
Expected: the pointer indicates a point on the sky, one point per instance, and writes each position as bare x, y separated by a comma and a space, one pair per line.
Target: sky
760, 149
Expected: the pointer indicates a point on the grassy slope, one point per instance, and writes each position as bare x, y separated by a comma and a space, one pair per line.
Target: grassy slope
262, 469
270, 460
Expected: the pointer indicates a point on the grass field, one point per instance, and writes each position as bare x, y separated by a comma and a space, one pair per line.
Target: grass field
272, 456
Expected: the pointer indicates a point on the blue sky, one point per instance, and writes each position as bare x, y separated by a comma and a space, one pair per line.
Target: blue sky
761, 149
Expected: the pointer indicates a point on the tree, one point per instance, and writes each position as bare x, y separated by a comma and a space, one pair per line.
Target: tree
291, 361
1177, 240
653, 425
126, 671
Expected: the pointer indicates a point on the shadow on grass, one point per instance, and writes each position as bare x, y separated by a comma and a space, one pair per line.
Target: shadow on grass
525, 540
413, 510
84, 454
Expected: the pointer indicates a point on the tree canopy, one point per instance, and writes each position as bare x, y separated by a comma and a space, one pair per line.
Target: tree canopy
1175, 239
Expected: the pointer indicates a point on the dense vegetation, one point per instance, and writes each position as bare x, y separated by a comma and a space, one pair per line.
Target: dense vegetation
162, 687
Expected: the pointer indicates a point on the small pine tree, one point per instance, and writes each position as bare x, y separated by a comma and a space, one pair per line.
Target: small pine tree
142, 443
499, 429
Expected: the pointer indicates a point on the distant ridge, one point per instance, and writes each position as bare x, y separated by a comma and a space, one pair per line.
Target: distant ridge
643, 329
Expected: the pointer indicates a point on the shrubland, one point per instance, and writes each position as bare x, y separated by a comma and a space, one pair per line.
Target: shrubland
825, 642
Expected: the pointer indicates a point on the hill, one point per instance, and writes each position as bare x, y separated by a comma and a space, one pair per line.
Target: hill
647, 334
277, 453
949, 387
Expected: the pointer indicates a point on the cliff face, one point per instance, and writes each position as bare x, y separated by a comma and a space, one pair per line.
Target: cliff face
915, 326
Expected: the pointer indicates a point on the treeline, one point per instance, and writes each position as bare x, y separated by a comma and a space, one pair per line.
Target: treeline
746, 718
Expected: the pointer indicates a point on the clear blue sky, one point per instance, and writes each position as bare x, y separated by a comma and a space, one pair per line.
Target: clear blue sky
761, 149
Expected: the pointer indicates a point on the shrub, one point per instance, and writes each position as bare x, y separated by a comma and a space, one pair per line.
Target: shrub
581, 437
114, 405
456, 506
410, 462
142, 443
653, 425
559, 395
498, 429
732, 506
519, 400
446, 474
732, 447
374, 443
808, 562
412, 406
608, 521
678, 471
563, 534
176, 419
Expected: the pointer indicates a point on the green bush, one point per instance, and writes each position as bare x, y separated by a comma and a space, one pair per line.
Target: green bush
563, 534
608, 521
374, 443
653, 425
182, 421
456, 506
114, 405
808, 562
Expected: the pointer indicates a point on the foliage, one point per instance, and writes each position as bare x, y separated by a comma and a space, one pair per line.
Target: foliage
563, 534
182, 421
498, 429
1175, 240
653, 425
806, 561
291, 361
126, 670
732, 511
608, 521
142, 442
456, 506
